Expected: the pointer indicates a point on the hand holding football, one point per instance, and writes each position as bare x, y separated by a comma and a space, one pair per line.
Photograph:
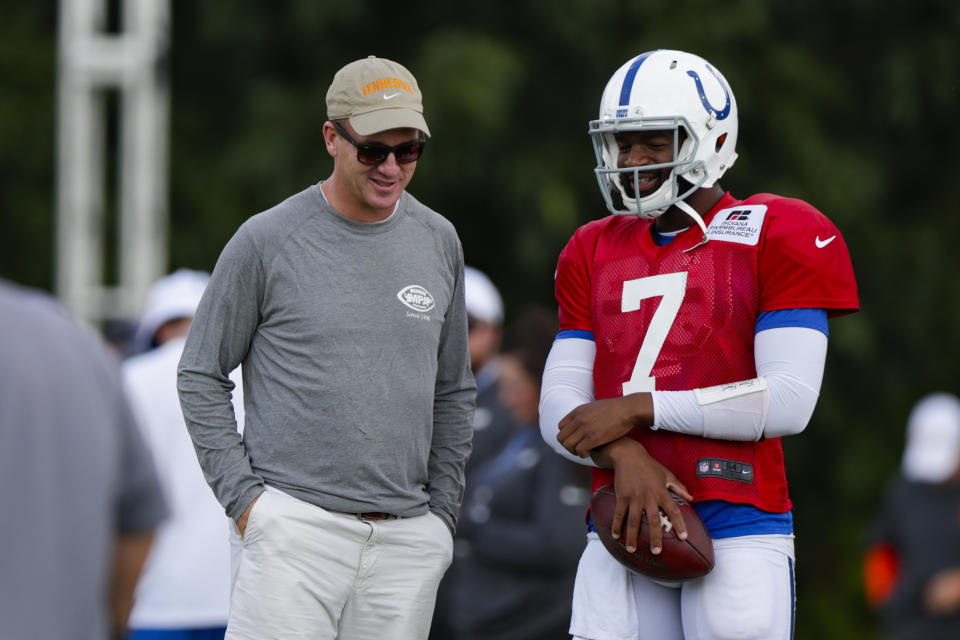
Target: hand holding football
678, 559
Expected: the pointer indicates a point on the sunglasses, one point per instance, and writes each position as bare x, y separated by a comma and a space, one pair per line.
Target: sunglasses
375, 153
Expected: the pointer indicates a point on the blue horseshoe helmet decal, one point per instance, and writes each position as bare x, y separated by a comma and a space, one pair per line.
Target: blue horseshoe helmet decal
723, 113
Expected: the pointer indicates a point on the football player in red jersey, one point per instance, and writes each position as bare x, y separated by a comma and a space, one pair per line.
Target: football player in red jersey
693, 336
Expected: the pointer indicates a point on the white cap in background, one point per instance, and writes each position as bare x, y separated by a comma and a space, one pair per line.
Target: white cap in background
174, 296
932, 452
483, 299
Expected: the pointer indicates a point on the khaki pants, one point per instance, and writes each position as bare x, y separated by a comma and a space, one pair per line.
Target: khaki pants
304, 572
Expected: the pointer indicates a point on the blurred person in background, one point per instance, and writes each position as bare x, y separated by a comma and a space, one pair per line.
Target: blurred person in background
184, 592
118, 334
912, 566
81, 499
492, 423
345, 305
520, 533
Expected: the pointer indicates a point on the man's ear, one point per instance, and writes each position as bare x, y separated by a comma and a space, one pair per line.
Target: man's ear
330, 138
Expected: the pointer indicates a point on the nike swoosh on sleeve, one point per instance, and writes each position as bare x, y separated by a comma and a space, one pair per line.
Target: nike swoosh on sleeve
822, 243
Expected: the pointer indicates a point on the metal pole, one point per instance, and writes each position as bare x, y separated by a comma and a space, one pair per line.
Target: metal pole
92, 62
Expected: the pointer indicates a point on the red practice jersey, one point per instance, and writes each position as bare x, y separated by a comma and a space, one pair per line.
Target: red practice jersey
671, 320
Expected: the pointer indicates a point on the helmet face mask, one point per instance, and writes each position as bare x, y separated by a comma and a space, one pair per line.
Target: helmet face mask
666, 91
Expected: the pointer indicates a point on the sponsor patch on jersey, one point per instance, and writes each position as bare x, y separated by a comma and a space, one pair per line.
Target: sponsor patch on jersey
729, 469
738, 224
416, 297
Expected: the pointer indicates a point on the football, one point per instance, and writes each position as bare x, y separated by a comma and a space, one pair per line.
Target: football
678, 559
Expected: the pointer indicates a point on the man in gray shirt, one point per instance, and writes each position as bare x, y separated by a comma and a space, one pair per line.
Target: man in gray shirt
81, 498
345, 306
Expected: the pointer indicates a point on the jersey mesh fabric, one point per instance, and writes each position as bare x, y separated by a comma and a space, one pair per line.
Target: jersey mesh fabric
724, 287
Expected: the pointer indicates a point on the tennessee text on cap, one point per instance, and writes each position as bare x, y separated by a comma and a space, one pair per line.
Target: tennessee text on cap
376, 94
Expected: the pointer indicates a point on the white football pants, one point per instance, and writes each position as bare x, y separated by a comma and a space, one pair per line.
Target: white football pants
749, 595
304, 572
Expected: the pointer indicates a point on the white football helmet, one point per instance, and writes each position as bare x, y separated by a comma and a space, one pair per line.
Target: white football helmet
666, 90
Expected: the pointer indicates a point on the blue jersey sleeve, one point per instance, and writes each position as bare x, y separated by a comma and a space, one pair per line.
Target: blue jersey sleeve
806, 318
575, 333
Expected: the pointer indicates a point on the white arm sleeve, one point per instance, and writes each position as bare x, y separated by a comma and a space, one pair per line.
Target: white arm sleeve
567, 384
779, 402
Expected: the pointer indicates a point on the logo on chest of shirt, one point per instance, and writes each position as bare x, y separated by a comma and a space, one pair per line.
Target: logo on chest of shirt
418, 299
738, 224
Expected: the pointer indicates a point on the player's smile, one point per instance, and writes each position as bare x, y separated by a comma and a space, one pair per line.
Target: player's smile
646, 183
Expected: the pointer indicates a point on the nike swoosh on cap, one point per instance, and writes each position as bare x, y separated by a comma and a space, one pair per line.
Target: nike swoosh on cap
391, 96
822, 243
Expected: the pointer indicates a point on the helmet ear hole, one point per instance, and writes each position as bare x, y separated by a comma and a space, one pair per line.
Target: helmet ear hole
720, 140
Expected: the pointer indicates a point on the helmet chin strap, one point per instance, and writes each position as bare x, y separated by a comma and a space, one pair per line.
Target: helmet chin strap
690, 211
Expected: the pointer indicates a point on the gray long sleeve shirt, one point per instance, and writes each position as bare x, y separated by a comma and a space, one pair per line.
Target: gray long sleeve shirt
353, 341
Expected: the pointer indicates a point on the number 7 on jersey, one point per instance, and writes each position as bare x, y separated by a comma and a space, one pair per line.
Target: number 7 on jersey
671, 287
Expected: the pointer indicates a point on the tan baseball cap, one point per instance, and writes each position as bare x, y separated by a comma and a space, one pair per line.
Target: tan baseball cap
376, 94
